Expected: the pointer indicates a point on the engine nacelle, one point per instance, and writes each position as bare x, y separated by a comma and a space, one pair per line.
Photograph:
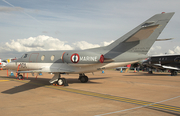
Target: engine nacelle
82, 57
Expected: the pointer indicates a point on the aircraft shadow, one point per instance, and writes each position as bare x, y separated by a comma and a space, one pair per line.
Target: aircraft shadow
40, 82
165, 111
71, 81
147, 74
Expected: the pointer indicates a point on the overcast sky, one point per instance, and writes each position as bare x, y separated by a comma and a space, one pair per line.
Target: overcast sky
29, 25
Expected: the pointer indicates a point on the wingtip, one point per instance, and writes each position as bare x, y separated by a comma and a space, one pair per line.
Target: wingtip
166, 13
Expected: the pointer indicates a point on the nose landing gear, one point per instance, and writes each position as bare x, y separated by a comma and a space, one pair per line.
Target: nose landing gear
20, 77
57, 80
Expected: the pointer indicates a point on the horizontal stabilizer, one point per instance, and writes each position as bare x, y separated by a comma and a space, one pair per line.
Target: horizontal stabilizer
164, 39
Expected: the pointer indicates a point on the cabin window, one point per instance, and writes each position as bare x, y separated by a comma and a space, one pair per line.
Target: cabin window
42, 57
52, 57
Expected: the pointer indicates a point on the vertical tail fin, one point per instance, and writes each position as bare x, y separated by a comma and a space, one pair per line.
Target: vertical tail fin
141, 38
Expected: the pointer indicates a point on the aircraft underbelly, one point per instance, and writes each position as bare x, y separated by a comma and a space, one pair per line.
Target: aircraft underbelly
118, 64
66, 68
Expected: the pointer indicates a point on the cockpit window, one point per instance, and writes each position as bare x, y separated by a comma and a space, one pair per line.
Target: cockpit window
24, 56
177, 59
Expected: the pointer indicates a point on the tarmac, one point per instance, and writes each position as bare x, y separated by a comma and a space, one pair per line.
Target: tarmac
105, 94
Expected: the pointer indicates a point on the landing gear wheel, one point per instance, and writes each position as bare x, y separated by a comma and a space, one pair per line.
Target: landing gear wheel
83, 79
60, 81
20, 77
150, 72
173, 73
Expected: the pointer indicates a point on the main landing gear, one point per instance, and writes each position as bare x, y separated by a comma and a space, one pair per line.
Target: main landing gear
83, 78
173, 73
57, 80
150, 71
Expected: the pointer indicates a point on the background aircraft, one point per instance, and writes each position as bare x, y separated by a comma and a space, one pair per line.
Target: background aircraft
130, 48
163, 62
3, 63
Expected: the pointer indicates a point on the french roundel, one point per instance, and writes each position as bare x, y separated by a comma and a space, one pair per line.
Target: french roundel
75, 58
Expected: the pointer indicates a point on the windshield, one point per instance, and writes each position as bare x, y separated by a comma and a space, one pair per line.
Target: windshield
24, 56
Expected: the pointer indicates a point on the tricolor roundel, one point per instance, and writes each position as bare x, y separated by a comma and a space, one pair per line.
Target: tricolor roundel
75, 58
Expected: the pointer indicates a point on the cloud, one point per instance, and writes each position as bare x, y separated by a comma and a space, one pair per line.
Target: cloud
106, 43
45, 43
175, 51
158, 50
39, 43
85, 45
170, 52
155, 50
10, 9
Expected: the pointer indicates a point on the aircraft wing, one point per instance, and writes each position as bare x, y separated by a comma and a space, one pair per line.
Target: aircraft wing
48, 70
159, 66
166, 67
170, 67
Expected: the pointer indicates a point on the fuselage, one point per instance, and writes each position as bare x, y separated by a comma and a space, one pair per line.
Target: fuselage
75, 61
166, 60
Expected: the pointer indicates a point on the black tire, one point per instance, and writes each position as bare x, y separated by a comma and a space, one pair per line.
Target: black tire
83, 79
172, 72
150, 72
175, 73
20, 77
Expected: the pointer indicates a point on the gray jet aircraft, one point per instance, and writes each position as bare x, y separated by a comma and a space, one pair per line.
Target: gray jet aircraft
128, 49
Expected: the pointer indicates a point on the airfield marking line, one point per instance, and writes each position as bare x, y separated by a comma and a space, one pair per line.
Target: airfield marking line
165, 106
138, 107
109, 97
121, 99
3, 80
